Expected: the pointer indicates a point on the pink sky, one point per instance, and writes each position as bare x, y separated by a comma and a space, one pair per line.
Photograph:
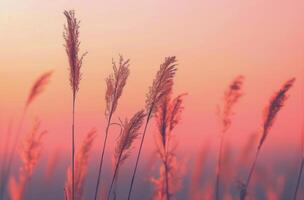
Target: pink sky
214, 41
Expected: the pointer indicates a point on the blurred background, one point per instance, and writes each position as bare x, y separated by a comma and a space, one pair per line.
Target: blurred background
214, 41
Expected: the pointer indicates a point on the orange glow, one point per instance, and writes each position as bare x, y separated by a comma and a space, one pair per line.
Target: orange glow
213, 41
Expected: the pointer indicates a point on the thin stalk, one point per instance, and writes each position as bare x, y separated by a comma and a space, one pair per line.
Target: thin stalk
73, 148
114, 179
128, 133
139, 152
102, 155
301, 167
299, 179
219, 168
243, 197
167, 179
114, 176
167, 191
105, 142
115, 186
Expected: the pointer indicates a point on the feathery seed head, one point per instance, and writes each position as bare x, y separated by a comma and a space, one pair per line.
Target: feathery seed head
29, 153
168, 115
38, 87
31, 149
231, 97
162, 84
130, 132
72, 43
115, 84
276, 103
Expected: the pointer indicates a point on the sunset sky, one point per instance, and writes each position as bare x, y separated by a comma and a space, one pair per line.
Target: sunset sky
213, 40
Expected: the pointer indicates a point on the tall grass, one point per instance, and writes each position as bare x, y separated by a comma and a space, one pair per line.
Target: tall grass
167, 117
271, 111
115, 85
30, 153
51, 165
81, 167
72, 43
130, 132
167, 112
4, 174
197, 172
37, 88
231, 97
299, 177
161, 87
247, 149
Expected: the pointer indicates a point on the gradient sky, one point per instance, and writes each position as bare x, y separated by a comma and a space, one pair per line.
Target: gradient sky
214, 41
